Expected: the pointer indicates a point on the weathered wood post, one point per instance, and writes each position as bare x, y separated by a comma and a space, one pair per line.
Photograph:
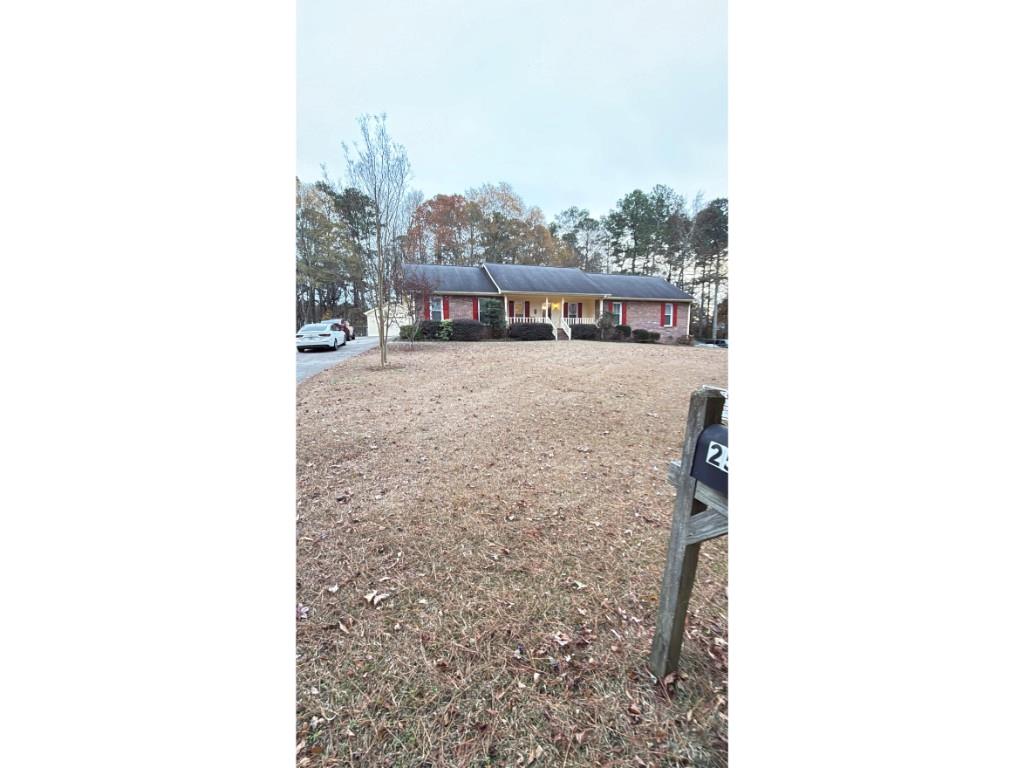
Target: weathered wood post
701, 513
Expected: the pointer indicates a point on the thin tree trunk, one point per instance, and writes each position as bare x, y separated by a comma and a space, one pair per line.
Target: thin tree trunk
714, 308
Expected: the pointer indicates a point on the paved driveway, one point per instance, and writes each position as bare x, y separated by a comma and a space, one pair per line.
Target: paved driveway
308, 363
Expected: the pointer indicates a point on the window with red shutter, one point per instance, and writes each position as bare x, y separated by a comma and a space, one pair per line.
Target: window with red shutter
437, 306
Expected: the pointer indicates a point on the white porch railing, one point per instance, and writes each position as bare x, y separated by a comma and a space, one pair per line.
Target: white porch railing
565, 323
526, 319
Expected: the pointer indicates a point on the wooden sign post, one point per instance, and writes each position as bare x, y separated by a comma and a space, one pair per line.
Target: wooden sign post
701, 513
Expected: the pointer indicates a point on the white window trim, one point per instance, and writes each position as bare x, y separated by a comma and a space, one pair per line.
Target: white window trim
617, 315
440, 307
671, 314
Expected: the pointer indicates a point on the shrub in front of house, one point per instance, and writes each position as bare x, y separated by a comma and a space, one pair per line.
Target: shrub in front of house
468, 330
586, 331
531, 332
444, 330
492, 314
645, 337
429, 329
406, 331
622, 332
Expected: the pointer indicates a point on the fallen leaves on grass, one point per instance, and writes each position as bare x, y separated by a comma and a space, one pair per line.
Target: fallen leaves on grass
375, 598
530, 622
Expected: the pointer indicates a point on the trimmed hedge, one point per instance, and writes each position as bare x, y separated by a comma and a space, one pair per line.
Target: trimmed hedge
531, 332
468, 330
445, 330
584, 331
645, 337
429, 328
623, 331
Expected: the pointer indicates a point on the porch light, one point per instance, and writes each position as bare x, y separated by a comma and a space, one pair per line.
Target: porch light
555, 305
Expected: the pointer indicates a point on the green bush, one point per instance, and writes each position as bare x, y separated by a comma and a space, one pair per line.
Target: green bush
467, 330
429, 329
406, 331
645, 337
492, 314
531, 332
584, 331
444, 330
622, 331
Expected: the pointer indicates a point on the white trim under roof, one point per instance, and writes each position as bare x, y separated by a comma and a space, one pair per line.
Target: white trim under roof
646, 298
443, 292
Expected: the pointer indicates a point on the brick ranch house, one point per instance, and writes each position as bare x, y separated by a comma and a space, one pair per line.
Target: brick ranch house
560, 296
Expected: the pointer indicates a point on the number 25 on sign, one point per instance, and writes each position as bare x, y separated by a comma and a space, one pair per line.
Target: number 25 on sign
718, 456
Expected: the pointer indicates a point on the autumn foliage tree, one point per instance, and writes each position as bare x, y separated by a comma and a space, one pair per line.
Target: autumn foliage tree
446, 229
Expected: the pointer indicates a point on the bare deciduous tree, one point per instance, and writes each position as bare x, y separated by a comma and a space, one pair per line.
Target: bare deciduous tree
414, 287
379, 168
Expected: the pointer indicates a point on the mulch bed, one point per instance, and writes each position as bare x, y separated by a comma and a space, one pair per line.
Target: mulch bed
480, 534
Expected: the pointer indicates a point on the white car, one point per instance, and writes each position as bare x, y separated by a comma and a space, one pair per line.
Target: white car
320, 336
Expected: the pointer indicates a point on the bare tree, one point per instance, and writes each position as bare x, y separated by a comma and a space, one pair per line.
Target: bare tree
414, 287
379, 168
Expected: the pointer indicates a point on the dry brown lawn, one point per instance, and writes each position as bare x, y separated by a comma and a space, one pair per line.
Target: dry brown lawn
481, 532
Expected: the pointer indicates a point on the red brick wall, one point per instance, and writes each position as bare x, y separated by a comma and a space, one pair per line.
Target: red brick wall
647, 315
460, 308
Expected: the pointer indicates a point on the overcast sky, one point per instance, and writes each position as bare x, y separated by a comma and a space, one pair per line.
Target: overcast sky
571, 102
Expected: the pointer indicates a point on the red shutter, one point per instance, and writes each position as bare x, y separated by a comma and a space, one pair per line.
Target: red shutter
511, 308
579, 309
527, 311
476, 308
445, 314
426, 306
624, 313
675, 315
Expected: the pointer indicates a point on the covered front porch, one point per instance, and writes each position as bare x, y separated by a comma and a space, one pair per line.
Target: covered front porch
562, 312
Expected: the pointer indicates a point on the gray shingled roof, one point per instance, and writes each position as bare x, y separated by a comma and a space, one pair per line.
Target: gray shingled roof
637, 287
521, 278
442, 277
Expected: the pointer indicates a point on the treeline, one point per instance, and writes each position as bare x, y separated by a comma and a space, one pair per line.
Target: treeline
658, 232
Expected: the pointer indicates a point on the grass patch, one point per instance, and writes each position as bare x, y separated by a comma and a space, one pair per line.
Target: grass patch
511, 502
